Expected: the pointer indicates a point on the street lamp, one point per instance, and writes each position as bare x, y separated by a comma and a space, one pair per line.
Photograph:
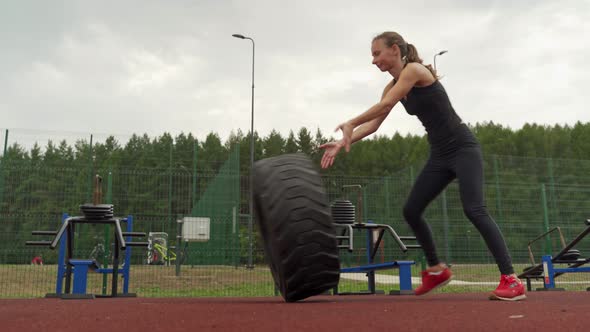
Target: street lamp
251, 207
439, 53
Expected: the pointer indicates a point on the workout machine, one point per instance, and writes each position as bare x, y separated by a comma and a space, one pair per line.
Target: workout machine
546, 270
158, 251
343, 215
68, 266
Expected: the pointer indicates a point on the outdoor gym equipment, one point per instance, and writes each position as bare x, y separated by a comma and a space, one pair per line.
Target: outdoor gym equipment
344, 217
546, 270
93, 213
68, 266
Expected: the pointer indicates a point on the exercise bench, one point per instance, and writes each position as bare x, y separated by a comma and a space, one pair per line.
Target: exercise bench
346, 222
346, 240
547, 271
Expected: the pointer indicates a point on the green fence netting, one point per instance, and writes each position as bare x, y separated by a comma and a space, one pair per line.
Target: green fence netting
526, 196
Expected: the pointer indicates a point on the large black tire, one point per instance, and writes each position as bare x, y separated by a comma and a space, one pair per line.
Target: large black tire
293, 214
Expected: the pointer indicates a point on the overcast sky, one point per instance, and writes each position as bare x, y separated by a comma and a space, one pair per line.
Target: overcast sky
117, 67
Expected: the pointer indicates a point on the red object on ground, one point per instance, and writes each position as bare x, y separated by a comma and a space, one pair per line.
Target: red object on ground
542, 311
37, 260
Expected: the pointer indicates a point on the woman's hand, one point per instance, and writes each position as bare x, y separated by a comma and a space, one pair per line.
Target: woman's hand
331, 149
347, 129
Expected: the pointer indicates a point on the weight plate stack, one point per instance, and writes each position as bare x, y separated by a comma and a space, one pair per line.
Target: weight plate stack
343, 212
98, 211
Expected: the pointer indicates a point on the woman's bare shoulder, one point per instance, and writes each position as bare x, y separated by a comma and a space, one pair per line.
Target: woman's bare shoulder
421, 73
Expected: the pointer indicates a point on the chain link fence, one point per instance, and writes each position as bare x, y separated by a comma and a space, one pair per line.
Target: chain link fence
526, 197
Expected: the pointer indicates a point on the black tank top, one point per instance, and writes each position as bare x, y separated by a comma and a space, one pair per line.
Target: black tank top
432, 106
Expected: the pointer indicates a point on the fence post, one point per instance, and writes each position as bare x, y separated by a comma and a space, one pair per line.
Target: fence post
364, 214
107, 240
236, 208
446, 225
5, 258
194, 196
2, 169
179, 252
91, 170
547, 250
498, 192
5, 142
422, 257
82, 228
169, 190
387, 201
552, 200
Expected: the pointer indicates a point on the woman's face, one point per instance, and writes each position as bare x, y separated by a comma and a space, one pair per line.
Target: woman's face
383, 56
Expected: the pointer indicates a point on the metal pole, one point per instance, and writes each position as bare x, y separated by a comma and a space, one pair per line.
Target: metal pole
437, 54
552, 195
498, 191
2, 169
435, 61
446, 226
547, 250
5, 142
91, 177
251, 206
178, 244
169, 192
107, 241
194, 195
188, 200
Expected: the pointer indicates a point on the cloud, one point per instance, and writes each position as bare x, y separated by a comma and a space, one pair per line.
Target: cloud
156, 66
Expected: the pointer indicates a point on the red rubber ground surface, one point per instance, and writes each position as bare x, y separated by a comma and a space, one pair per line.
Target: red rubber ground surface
542, 311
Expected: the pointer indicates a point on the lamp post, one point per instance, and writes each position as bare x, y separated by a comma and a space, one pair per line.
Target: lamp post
437, 54
251, 207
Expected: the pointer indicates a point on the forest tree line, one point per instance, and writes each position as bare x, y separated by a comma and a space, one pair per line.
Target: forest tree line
376, 155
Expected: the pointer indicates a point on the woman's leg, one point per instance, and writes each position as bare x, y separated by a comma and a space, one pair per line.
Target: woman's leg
430, 182
468, 166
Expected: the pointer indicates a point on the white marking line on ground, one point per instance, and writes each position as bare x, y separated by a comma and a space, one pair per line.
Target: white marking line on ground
394, 280
516, 316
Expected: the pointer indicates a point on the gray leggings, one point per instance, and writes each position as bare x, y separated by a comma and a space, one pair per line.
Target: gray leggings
466, 165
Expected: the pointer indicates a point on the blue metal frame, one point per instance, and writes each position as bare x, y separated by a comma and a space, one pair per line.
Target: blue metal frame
61, 256
405, 273
82, 266
549, 271
405, 267
546, 270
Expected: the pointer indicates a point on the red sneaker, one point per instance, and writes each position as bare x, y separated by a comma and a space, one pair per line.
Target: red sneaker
510, 289
433, 280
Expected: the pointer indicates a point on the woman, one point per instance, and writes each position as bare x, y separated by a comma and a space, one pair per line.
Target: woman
454, 153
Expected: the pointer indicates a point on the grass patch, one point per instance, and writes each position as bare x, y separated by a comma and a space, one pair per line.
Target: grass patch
28, 281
